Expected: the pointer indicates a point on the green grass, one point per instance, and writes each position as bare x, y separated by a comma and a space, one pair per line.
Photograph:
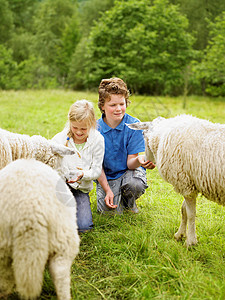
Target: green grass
134, 256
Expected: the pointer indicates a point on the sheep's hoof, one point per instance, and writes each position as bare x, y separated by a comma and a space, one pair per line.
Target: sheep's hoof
179, 236
3, 296
190, 243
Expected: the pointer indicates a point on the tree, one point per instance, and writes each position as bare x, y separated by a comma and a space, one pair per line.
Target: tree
21, 40
211, 70
144, 43
23, 11
69, 40
77, 66
8, 68
6, 22
90, 12
22, 44
198, 13
32, 73
57, 34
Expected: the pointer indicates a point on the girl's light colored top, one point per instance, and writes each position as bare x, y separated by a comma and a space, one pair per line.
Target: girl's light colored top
89, 159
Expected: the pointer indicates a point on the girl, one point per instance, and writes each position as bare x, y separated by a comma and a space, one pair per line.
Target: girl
80, 134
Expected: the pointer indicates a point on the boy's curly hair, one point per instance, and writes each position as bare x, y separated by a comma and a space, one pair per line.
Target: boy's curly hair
111, 86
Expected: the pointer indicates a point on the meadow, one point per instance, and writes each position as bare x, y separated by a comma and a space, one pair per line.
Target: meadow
134, 256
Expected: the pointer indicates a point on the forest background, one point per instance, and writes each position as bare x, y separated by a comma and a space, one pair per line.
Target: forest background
159, 47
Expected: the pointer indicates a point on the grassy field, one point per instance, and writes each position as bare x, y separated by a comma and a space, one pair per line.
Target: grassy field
134, 256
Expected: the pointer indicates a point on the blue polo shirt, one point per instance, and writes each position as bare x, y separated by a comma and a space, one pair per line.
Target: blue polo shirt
119, 143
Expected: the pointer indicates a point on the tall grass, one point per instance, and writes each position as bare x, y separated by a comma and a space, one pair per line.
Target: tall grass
134, 256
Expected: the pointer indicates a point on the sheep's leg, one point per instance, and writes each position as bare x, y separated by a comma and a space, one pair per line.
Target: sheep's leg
60, 271
191, 214
188, 218
6, 275
183, 226
30, 255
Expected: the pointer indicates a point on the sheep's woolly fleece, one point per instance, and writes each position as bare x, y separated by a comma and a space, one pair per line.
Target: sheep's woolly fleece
35, 228
14, 146
189, 153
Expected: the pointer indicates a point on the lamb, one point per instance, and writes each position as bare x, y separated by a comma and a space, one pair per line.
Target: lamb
189, 153
14, 146
35, 227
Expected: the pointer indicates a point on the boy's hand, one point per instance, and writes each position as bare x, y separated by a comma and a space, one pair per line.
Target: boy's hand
145, 164
148, 165
109, 199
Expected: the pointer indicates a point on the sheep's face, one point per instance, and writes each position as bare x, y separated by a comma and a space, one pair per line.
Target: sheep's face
148, 129
55, 153
60, 149
50, 152
53, 160
45, 155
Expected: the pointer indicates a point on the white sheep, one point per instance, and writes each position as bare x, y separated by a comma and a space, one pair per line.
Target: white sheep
35, 228
190, 154
14, 146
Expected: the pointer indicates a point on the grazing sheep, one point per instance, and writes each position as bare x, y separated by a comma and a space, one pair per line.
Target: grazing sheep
35, 227
14, 146
189, 154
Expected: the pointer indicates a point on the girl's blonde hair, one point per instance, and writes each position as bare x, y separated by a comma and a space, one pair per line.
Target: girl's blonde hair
82, 110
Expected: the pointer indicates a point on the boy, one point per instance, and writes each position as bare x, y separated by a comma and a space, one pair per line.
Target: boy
123, 177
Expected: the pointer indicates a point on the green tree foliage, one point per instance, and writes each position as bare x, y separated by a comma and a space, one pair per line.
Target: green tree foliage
90, 11
8, 68
211, 70
198, 13
22, 45
22, 39
146, 44
57, 34
6, 22
23, 11
78, 63
69, 40
32, 73
76, 43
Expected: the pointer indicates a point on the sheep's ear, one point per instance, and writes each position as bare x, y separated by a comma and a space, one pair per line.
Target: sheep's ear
158, 120
60, 149
140, 125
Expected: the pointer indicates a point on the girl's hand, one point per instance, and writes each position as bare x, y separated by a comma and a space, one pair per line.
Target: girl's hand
79, 177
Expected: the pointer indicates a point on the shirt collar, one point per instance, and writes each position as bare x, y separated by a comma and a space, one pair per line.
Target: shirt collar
106, 128
91, 138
